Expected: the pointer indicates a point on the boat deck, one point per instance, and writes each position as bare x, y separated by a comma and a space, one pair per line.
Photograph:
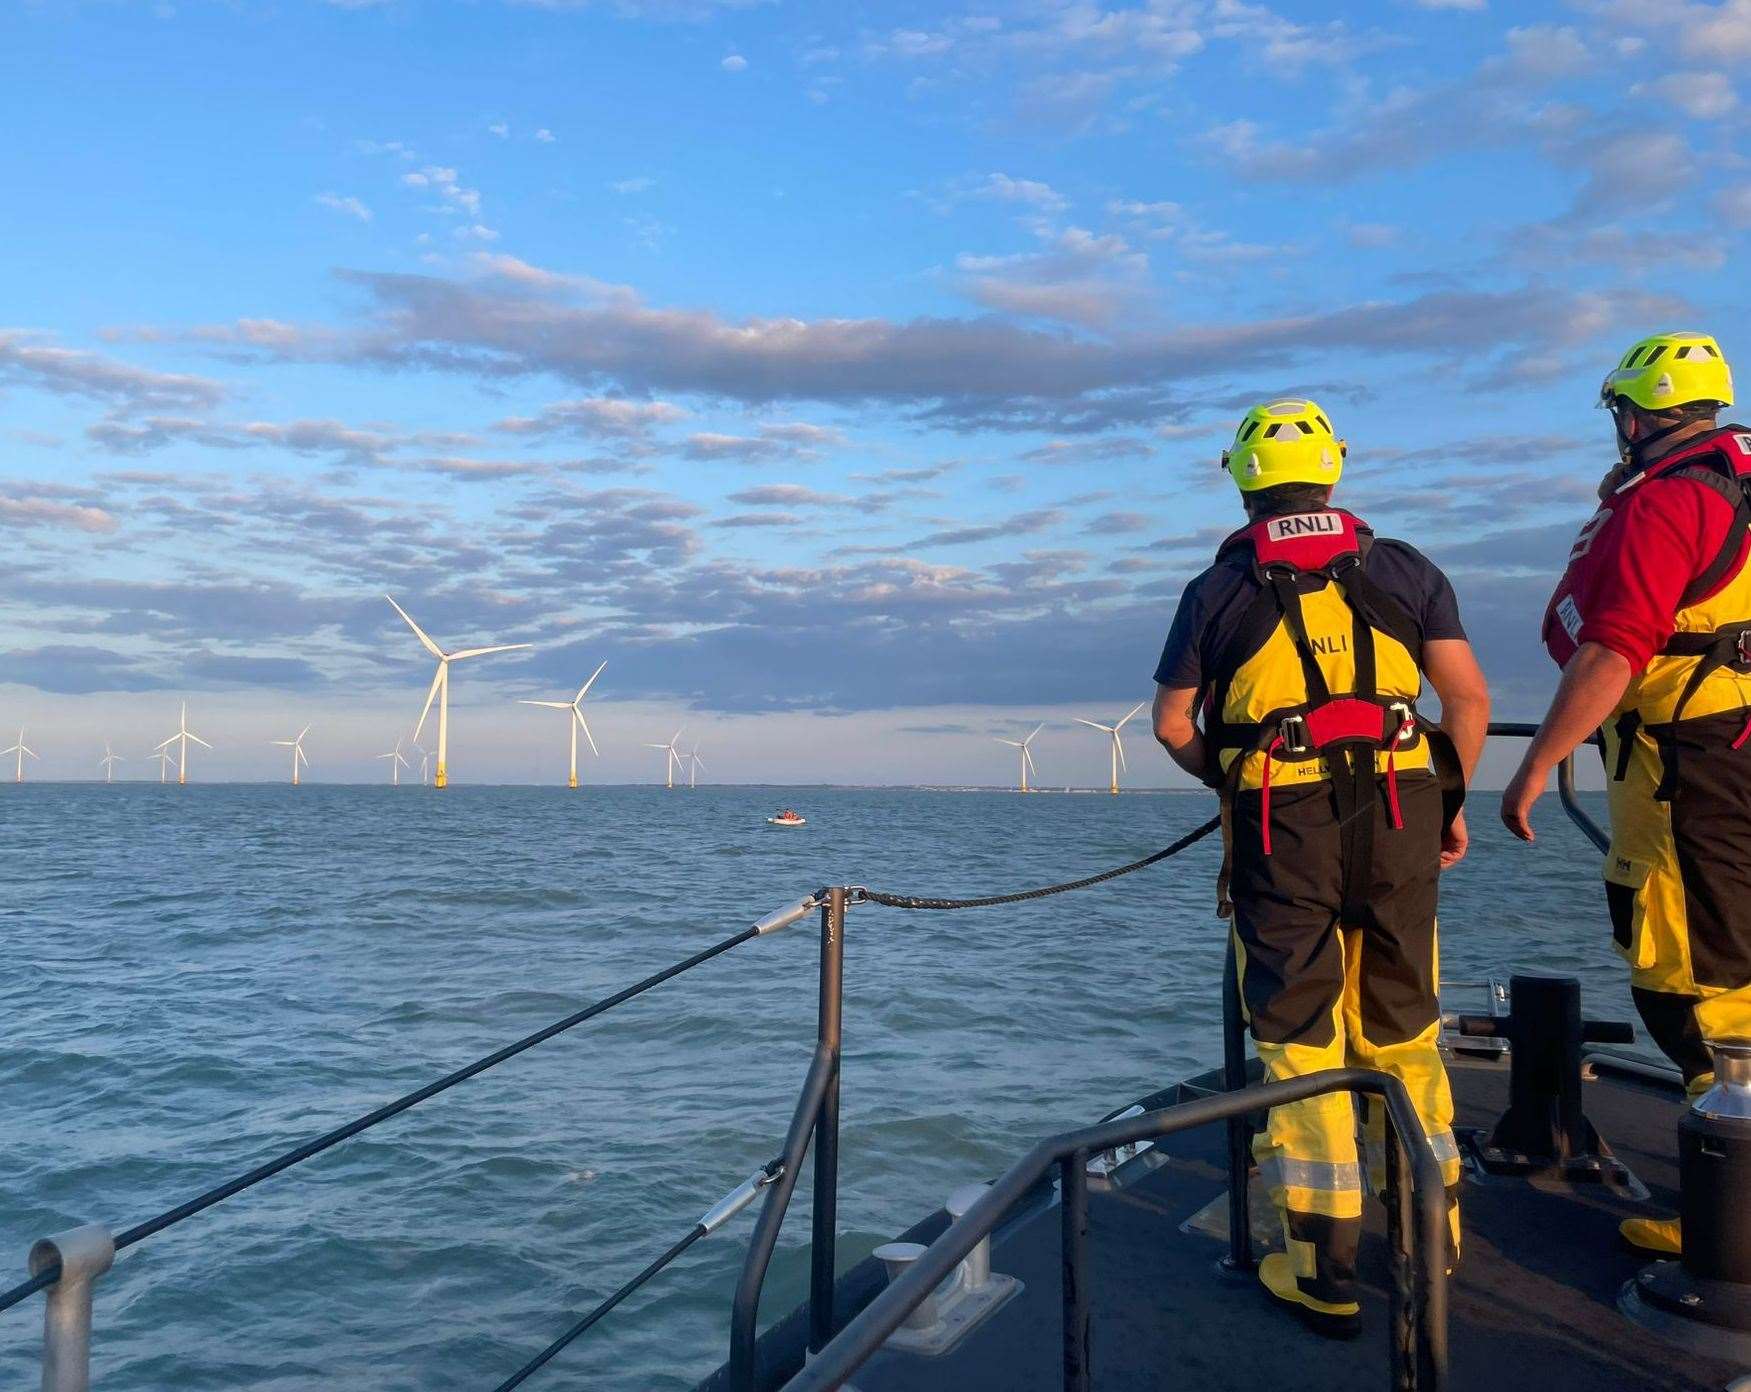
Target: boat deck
1534, 1303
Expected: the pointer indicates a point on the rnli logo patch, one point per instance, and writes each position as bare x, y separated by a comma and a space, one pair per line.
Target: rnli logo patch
1568, 613
1304, 525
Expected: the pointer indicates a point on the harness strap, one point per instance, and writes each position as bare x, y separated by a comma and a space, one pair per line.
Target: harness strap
1721, 648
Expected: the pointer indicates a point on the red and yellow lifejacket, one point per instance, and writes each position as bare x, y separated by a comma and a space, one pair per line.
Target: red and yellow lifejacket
1322, 670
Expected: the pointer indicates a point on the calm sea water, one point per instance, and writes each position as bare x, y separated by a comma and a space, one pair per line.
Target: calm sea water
193, 979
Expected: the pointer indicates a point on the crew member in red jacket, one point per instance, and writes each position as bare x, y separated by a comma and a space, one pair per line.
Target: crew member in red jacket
1651, 625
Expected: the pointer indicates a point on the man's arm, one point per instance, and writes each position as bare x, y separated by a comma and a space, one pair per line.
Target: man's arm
1178, 731
1452, 670
1593, 683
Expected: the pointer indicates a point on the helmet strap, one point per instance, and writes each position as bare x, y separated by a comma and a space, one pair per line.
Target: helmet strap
1633, 451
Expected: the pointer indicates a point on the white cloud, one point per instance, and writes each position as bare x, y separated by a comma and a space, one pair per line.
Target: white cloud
640, 183
500, 129
1032, 192
1718, 33
444, 182
1734, 206
734, 63
349, 205
476, 232
1703, 96
546, 137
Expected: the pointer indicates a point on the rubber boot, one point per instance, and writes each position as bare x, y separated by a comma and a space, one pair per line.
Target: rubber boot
1663, 1237
1333, 1320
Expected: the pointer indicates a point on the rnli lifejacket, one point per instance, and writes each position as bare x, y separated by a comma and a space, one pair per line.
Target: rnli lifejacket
1320, 677
1704, 667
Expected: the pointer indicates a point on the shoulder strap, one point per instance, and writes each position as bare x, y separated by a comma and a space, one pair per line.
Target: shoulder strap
1735, 491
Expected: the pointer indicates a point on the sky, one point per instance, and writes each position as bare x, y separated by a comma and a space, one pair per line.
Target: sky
850, 378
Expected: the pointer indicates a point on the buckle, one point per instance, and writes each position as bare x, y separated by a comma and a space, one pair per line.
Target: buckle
1407, 725
1742, 647
1292, 731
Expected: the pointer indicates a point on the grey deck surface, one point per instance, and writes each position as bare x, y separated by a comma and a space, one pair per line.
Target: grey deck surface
1533, 1303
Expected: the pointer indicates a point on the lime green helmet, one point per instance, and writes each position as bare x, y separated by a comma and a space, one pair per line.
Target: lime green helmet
1669, 370
1284, 442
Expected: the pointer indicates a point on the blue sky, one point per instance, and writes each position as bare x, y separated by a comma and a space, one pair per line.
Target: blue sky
850, 377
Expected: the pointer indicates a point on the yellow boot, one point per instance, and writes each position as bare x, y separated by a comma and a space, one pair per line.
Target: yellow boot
1663, 1237
1334, 1320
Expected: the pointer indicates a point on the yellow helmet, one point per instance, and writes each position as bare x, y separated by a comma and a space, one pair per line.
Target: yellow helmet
1284, 442
1670, 370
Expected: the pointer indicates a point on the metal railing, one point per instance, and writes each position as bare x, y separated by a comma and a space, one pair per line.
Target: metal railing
1565, 782
1416, 1233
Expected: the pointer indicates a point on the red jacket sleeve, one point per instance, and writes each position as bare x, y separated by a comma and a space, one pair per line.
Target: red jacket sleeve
1661, 537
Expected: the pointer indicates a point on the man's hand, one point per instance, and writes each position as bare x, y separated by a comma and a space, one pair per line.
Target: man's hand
1455, 841
1523, 790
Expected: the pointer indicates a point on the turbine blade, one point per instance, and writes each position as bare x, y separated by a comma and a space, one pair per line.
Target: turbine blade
431, 696
1128, 714
586, 729
1037, 729
1120, 747
197, 739
551, 705
290, 744
1092, 724
584, 689
418, 632
482, 652
403, 762
303, 732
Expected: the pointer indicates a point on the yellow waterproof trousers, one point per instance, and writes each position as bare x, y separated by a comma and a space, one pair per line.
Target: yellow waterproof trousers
1330, 978
1678, 878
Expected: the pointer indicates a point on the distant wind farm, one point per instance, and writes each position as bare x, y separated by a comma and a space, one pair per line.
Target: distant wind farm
680, 767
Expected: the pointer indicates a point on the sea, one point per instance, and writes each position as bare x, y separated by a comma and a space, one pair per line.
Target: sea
194, 979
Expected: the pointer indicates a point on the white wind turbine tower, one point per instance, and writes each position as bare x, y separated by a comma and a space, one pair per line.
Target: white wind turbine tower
1118, 751
108, 763
1027, 758
441, 687
425, 764
20, 750
297, 748
694, 764
163, 756
396, 764
576, 707
671, 757
184, 735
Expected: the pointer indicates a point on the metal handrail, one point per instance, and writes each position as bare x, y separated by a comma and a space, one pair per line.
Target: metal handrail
1417, 1228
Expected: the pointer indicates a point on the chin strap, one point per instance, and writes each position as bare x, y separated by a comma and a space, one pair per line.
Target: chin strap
1631, 451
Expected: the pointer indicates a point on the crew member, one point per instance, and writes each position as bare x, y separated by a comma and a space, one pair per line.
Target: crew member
1651, 625
1303, 649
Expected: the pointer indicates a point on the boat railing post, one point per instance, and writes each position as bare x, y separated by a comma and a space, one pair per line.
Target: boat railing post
83, 1255
1073, 1203
828, 1035
1239, 1258
1400, 1247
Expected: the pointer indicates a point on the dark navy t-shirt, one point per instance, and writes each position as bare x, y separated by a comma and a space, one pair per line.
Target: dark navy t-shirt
1214, 602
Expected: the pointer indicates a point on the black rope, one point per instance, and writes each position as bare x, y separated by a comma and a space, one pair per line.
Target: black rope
547, 1354
912, 901
141, 1231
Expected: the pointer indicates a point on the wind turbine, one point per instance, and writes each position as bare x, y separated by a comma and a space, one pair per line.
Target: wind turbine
1027, 758
441, 686
694, 764
576, 707
672, 756
163, 756
396, 764
1118, 754
108, 763
297, 748
20, 750
425, 764
184, 735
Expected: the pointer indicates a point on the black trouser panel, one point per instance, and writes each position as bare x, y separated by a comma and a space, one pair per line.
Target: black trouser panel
1288, 911
1711, 833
